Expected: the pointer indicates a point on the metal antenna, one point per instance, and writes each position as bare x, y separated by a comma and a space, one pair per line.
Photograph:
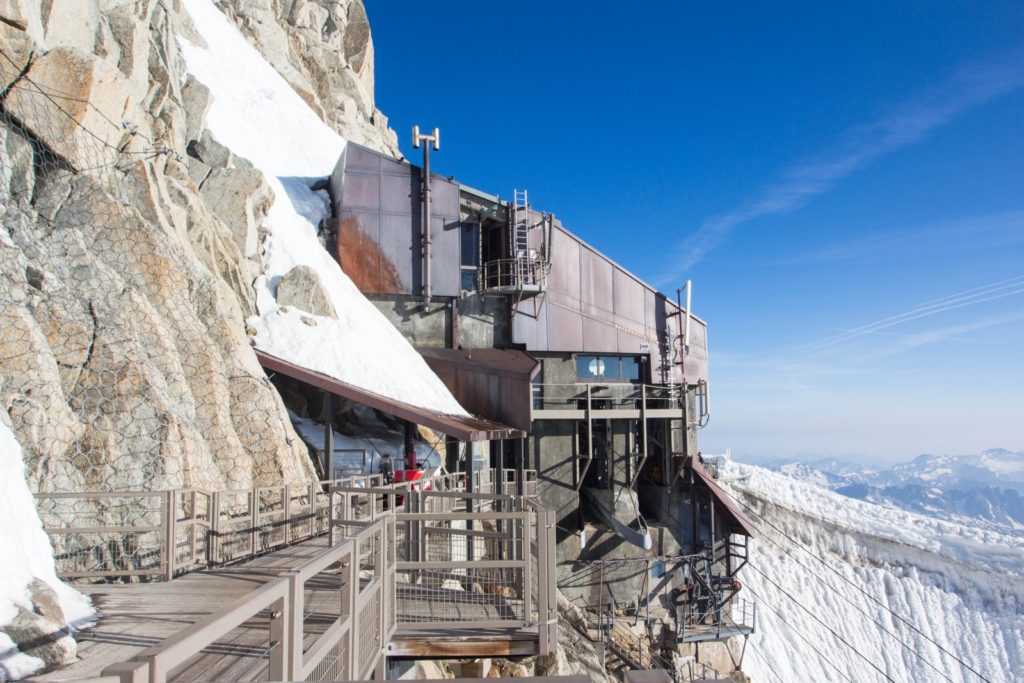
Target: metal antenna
435, 140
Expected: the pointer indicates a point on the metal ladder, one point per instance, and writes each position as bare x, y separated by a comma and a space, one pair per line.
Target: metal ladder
519, 235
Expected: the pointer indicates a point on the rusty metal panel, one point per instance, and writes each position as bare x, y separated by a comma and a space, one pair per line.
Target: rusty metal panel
531, 328
628, 299
445, 272
565, 265
599, 336
359, 250
361, 159
564, 330
651, 312
444, 197
393, 166
361, 192
595, 283
627, 342
400, 193
400, 265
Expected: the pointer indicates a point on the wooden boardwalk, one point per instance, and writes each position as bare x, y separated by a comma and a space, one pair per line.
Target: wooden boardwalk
137, 616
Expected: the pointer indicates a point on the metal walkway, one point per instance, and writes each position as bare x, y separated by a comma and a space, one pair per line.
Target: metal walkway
419, 571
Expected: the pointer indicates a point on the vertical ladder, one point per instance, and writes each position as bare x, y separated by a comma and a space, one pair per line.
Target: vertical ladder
518, 235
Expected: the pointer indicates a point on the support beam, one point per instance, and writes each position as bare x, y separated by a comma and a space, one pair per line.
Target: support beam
328, 416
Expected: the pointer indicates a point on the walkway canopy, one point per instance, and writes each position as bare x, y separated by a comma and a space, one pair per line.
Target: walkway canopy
730, 512
461, 427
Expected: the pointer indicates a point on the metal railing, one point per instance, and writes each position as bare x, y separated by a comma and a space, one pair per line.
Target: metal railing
513, 274
412, 556
639, 652
156, 535
600, 396
716, 620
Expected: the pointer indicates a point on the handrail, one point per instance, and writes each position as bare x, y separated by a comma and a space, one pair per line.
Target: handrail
368, 613
157, 535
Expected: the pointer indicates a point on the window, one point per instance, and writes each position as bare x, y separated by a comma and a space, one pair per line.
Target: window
607, 368
470, 248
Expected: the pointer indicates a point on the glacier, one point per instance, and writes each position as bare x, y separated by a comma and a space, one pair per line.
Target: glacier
849, 590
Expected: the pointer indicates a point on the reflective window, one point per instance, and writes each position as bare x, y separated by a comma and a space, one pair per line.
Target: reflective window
470, 245
469, 276
607, 368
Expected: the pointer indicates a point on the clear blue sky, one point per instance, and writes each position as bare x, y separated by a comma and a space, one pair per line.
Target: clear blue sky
844, 183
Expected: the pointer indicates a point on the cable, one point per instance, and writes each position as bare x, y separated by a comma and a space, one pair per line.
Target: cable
766, 662
822, 623
802, 636
859, 588
856, 607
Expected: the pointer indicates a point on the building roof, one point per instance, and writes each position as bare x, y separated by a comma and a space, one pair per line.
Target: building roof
461, 427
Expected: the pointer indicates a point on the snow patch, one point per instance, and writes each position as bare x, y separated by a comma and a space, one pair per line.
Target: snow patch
22, 537
257, 115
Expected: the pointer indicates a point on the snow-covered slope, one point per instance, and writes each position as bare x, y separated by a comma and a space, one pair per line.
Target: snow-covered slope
26, 555
257, 115
897, 587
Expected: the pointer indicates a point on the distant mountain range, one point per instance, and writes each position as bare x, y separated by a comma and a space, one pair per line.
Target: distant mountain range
987, 487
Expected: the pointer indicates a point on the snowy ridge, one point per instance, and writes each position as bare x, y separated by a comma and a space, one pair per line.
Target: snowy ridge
258, 116
22, 537
961, 587
984, 490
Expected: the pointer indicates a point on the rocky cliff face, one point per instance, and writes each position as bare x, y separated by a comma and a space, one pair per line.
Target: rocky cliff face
130, 239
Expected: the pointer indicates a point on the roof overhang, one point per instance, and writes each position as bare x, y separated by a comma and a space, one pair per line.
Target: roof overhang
461, 427
728, 508
494, 383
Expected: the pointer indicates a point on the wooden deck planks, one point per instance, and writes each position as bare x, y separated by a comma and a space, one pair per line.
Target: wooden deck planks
137, 616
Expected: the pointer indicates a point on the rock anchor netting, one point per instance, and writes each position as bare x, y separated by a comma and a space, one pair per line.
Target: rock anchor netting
124, 363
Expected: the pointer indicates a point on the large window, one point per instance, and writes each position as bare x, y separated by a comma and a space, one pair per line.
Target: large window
608, 368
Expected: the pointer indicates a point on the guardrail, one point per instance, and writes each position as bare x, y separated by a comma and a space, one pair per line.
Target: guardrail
717, 621
156, 535
604, 396
401, 557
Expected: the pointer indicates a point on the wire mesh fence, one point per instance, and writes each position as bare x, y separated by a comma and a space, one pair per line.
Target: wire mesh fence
123, 359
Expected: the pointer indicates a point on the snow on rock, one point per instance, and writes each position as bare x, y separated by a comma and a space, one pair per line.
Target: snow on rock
22, 538
963, 587
257, 115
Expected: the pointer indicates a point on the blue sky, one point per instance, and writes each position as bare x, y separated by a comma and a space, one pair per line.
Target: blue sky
843, 182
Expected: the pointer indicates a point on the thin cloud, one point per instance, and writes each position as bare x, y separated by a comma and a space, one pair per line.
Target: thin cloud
903, 125
939, 334
969, 297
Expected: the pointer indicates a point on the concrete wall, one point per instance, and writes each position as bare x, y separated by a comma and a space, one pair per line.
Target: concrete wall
482, 323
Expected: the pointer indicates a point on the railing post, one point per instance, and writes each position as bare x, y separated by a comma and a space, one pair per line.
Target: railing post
287, 514
314, 513
330, 516
294, 627
128, 672
352, 647
170, 516
279, 636
552, 580
213, 540
254, 520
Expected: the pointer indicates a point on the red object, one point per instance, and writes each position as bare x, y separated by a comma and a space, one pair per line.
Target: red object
408, 475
